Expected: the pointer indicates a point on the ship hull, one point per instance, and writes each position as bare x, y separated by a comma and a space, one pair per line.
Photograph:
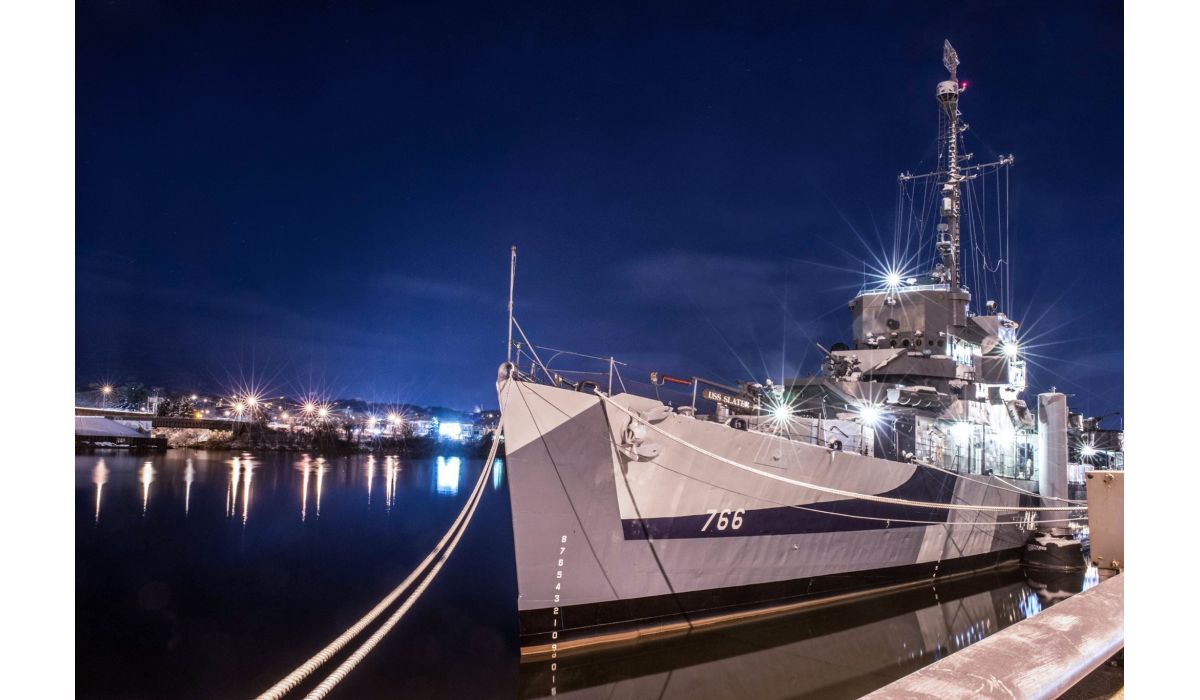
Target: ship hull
613, 540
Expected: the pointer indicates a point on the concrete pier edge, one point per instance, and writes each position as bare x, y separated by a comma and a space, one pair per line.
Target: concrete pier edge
1041, 657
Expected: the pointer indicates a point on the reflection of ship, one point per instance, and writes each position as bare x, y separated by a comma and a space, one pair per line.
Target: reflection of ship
842, 651
911, 457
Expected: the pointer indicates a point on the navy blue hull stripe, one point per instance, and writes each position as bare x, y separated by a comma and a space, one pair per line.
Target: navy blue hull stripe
830, 516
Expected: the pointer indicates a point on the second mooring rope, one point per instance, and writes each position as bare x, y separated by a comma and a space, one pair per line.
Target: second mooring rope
359, 654
294, 678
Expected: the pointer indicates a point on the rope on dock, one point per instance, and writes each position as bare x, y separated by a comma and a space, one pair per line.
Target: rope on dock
294, 678
826, 489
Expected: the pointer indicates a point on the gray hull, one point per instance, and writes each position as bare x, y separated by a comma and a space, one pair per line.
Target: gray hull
612, 541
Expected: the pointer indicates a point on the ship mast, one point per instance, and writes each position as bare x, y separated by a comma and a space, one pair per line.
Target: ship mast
951, 196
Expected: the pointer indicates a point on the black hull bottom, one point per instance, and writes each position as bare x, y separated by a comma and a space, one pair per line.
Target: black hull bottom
618, 618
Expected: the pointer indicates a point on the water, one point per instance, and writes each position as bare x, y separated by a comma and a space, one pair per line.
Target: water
199, 583
194, 581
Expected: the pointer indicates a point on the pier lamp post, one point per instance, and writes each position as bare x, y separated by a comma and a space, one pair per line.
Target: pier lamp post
106, 391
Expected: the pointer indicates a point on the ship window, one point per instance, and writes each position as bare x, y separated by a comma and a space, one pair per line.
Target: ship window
919, 342
906, 342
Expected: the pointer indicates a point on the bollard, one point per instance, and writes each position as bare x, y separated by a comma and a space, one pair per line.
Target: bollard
1106, 518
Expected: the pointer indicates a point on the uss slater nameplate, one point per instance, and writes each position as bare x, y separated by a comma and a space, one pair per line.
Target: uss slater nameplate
725, 399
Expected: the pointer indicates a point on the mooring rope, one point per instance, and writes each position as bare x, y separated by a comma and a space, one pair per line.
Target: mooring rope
825, 489
359, 654
290, 681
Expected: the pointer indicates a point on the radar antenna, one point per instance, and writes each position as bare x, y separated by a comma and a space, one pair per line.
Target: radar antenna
950, 60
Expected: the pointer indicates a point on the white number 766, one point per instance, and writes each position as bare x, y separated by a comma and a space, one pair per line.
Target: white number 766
723, 519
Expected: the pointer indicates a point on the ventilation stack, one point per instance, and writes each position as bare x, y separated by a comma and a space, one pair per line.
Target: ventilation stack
1053, 546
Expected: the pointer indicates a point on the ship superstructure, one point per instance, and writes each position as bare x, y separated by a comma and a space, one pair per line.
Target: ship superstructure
910, 457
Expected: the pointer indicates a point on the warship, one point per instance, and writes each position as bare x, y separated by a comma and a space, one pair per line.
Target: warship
910, 457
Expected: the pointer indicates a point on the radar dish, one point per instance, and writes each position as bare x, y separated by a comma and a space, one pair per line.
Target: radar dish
950, 60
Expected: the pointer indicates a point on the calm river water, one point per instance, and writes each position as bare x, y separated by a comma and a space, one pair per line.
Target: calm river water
213, 574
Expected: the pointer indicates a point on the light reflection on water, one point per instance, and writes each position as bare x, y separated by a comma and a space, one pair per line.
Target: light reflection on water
320, 482
447, 475
189, 477
147, 479
99, 478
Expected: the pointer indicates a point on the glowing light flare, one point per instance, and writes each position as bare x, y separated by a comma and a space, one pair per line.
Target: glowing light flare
962, 431
309, 408
452, 431
781, 415
892, 275
1011, 350
870, 414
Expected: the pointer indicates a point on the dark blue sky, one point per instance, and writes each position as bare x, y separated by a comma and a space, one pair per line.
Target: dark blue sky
323, 197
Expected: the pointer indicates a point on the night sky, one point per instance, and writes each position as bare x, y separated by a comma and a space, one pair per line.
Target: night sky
322, 197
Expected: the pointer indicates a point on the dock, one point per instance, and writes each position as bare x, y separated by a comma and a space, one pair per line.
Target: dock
1044, 656
99, 431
